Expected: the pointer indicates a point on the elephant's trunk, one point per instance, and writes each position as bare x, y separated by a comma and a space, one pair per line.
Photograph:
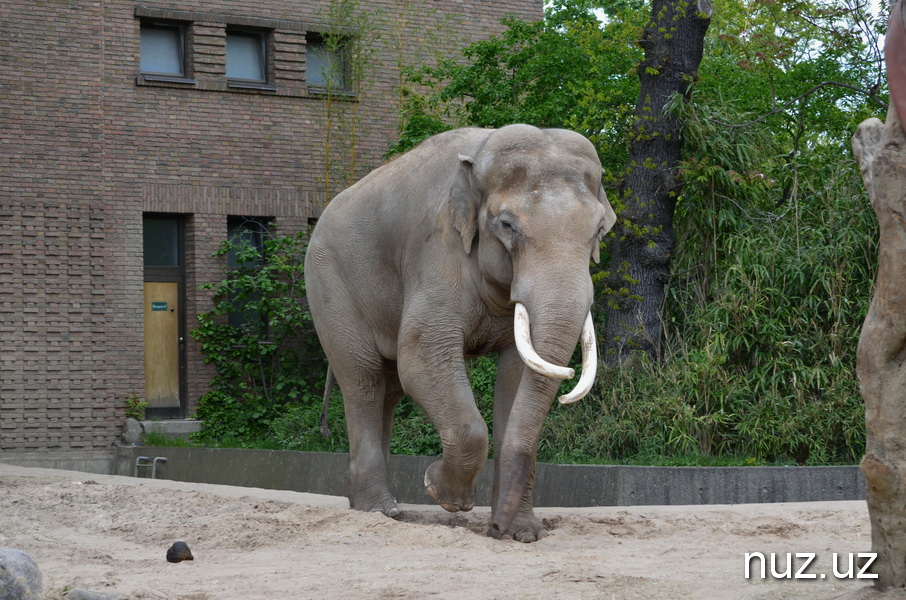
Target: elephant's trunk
555, 326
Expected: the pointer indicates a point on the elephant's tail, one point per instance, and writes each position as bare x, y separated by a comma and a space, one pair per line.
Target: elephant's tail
328, 388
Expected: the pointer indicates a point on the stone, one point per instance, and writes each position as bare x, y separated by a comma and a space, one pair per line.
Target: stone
20, 578
179, 552
133, 432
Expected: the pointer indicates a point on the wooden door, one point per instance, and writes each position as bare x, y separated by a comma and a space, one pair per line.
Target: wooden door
162, 315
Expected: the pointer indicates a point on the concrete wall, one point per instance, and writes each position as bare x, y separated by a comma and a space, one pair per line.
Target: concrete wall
556, 485
620, 485
173, 428
101, 463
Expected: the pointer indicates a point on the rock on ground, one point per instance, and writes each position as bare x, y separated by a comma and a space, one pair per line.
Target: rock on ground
20, 578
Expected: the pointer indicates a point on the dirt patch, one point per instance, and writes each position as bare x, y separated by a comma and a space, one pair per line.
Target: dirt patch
111, 534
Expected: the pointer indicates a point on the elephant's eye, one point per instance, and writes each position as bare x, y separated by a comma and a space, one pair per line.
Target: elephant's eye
506, 226
506, 222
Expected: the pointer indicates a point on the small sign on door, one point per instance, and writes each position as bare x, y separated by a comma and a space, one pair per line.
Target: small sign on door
155, 306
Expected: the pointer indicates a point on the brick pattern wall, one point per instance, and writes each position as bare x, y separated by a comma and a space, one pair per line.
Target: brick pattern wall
54, 333
289, 57
88, 146
209, 45
204, 232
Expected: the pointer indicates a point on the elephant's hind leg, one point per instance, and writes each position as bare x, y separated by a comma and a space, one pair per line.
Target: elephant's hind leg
370, 388
368, 399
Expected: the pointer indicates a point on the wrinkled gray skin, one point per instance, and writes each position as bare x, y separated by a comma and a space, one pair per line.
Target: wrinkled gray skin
418, 266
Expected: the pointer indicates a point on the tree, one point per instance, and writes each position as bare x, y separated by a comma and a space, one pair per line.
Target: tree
642, 243
881, 152
347, 52
881, 373
571, 71
784, 84
789, 73
565, 71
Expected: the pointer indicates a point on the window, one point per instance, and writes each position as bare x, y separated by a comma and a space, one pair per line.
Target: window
246, 56
325, 63
161, 242
163, 49
247, 236
247, 232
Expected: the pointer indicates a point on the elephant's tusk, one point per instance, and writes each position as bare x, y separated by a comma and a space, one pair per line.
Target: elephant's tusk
589, 363
522, 332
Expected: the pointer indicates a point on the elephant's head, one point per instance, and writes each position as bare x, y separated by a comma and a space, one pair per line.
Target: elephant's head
530, 203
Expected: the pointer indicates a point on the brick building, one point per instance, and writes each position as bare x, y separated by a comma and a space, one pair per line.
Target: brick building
133, 136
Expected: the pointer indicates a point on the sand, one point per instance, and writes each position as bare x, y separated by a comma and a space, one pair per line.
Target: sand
110, 534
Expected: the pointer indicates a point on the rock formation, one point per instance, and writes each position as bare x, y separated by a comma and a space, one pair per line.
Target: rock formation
880, 149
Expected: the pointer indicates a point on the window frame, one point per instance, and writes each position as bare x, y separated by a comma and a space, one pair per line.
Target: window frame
266, 45
253, 231
183, 32
172, 274
345, 87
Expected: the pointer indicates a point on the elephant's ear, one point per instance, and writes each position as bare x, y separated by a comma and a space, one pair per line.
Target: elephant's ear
610, 219
464, 202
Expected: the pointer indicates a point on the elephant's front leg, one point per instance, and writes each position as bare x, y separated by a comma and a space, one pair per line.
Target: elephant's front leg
432, 371
525, 526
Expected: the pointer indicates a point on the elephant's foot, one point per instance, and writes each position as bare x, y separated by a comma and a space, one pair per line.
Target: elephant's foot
524, 528
384, 504
451, 494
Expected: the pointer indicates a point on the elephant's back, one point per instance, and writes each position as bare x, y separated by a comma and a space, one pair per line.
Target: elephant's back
398, 199
370, 237
418, 177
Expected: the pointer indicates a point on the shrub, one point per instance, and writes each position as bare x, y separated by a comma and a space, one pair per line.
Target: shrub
257, 336
764, 309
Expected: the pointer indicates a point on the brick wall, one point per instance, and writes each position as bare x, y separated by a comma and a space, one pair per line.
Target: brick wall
88, 146
55, 376
204, 231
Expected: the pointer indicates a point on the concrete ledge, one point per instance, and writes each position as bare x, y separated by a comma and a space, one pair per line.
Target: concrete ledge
174, 428
556, 485
621, 485
87, 462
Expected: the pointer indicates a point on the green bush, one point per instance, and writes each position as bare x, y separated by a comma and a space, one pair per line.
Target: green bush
135, 407
764, 310
257, 336
771, 280
763, 315
298, 428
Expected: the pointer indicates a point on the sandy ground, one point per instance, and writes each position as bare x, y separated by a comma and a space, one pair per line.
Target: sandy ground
110, 534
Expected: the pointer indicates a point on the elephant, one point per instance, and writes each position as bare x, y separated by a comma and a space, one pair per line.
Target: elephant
476, 241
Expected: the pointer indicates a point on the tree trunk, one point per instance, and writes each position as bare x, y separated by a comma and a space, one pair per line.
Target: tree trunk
641, 246
881, 355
